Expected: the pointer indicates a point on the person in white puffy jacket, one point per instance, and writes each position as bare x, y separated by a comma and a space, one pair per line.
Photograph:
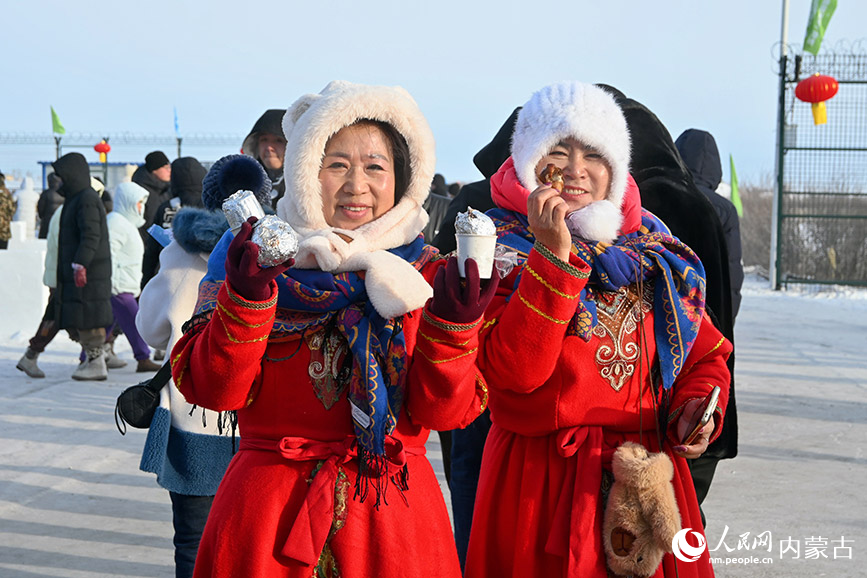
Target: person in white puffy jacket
127, 251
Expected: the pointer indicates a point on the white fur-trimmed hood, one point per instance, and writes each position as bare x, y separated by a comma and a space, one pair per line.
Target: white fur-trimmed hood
591, 116
395, 287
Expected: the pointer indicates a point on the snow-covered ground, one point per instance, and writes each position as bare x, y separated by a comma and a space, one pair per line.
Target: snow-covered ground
73, 503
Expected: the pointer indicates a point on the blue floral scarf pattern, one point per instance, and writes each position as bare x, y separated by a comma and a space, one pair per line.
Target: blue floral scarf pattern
649, 253
309, 299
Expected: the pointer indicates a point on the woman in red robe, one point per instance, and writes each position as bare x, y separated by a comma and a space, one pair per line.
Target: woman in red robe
338, 366
597, 337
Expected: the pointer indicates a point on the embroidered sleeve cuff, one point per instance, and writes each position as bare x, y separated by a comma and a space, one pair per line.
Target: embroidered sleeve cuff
580, 270
244, 321
550, 287
675, 414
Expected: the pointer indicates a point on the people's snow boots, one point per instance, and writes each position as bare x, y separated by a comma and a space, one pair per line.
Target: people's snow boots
27, 364
93, 367
112, 361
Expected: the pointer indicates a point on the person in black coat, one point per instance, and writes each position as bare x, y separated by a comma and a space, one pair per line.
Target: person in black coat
49, 201
668, 191
477, 194
83, 265
186, 188
699, 152
155, 177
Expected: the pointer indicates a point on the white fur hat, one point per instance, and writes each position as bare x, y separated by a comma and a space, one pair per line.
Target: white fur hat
394, 286
591, 116
315, 118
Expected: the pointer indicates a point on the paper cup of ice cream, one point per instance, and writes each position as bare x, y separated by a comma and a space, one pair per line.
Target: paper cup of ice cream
476, 238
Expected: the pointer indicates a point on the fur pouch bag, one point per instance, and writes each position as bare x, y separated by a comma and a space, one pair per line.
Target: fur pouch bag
641, 516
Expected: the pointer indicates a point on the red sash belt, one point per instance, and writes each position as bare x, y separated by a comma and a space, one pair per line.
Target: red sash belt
576, 531
313, 522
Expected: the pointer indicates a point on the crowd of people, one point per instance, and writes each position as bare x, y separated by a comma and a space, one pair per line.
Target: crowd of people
291, 436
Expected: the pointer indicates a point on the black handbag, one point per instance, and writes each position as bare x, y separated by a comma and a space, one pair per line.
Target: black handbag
136, 404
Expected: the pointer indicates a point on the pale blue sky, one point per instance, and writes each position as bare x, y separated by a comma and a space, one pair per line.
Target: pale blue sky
112, 67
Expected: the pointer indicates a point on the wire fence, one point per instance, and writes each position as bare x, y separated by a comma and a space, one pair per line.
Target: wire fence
823, 204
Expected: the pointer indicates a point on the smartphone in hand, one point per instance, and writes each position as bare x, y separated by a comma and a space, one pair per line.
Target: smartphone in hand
702, 417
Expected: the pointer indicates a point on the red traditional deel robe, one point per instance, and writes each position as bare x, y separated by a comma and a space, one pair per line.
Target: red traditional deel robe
307, 488
560, 406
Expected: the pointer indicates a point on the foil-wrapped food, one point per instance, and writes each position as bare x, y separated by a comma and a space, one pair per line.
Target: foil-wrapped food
474, 222
239, 207
276, 240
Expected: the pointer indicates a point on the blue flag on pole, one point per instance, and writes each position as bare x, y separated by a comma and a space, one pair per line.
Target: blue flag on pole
177, 130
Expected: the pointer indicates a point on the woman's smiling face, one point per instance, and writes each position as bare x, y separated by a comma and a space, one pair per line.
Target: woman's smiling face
357, 176
586, 173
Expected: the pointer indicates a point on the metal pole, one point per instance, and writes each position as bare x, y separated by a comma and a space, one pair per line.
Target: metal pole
179, 146
776, 225
56, 147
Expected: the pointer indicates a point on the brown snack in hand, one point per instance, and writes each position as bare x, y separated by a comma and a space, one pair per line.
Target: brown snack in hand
554, 175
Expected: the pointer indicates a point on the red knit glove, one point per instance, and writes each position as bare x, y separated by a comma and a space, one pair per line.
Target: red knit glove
79, 275
243, 272
461, 302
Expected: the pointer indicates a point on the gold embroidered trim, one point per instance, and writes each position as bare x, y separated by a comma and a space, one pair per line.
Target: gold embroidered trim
435, 340
438, 361
548, 285
233, 339
481, 383
240, 321
558, 262
446, 326
538, 311
248, 304
180, 376
686, 371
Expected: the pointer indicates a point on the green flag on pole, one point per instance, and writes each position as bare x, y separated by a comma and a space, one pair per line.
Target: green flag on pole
56, 127
820, 14
736, 197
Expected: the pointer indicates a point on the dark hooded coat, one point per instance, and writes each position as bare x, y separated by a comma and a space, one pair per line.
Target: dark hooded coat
158, 193
699, 152
83, 239
668, 191
477, 194
49, 201
186, 188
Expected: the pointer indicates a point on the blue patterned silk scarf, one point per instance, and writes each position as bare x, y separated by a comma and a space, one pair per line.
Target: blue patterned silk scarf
649, 253
310, 299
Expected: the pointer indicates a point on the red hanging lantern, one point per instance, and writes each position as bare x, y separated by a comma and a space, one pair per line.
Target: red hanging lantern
816, 90
103, 149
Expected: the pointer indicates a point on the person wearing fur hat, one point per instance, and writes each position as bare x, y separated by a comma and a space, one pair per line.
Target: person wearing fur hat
266, 144
339, 362
609, 308
188, 448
